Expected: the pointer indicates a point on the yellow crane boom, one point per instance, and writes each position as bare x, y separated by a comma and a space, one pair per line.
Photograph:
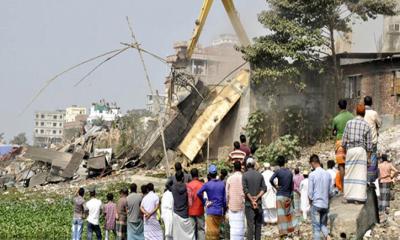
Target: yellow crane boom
233, 17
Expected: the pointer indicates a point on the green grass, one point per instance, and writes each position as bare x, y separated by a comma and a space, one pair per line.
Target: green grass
41, 215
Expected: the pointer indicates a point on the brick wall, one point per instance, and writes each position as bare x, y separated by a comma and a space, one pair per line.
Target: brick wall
378, 82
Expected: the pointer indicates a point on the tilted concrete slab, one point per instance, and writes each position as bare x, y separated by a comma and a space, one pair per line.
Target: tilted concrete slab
73, 165
57, 159
38, 179
174, 129
213, 115
97, 162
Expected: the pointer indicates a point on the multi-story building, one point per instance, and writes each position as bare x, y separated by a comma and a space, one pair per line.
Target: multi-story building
72, 112
48, 127
152, 104
211, 64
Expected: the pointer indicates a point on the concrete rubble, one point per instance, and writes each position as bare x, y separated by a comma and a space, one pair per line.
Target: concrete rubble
85, 156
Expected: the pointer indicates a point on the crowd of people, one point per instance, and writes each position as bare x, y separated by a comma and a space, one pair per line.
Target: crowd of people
238, 202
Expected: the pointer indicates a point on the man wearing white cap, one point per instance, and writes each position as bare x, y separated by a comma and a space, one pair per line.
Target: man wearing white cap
269, 198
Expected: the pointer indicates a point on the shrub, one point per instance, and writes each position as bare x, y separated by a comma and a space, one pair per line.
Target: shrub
255, 128
288, 146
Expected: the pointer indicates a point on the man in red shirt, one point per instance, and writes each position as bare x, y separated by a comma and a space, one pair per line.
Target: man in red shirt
196, 208
243, 145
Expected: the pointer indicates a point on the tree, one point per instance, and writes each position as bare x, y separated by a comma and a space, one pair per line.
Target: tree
20, 139
302, 36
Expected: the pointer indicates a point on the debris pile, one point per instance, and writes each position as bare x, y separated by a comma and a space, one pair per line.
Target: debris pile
98, 152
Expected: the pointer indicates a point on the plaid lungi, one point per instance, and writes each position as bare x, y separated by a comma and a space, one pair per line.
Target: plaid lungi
355, 178
384, 198
296, 203
287, 222
121, 228
212, 226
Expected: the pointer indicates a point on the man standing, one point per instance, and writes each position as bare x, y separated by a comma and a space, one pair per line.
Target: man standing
358, 144
269, 198
182, 226
167, 212
332, 171
77, 222
134, 218
172, 179
253, 188
196, 208
319, 191
215, 203
121, 226
149, 206
235, 201
93, 206
236, 154
375, 123
297, 178
287, 223
339, 124
243, 145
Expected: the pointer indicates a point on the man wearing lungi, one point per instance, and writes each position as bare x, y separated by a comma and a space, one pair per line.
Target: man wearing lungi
357, 141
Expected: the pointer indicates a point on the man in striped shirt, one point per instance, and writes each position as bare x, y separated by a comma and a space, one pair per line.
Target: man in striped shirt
235, 201
237, 154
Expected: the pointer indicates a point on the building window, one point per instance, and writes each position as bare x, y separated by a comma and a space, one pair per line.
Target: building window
198, 67
42, 116
36, 131
41, 123
37, 115
353, 84
41, 131
37, 123
60, 132
55, 117
394, 28
60, 124
54, 131
54, 124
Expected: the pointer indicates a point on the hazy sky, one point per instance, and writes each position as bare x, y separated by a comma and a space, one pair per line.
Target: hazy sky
40, 38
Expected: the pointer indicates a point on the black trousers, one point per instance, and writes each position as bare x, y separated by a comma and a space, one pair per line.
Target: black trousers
254, 219
96, 229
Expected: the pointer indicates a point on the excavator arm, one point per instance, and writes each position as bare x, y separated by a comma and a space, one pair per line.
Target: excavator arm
233, 17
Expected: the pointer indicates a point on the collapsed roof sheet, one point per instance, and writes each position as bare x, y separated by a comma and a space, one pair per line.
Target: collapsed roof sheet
213, 115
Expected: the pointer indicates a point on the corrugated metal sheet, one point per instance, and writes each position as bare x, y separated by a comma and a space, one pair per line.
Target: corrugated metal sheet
213, 114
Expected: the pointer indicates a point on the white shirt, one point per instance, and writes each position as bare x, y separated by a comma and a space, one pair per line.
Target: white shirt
150, 202
374, 122
94, 207
332, 172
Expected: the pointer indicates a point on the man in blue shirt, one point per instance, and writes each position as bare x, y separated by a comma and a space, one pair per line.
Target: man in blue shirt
319, 192
215, 203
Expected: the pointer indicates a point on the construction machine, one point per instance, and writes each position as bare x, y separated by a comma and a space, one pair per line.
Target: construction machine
185, 56
224, 99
